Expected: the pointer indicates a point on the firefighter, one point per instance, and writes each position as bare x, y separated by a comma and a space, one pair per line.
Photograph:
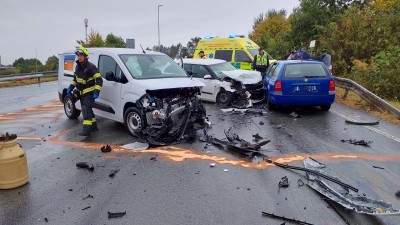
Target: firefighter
88, 82
261, 62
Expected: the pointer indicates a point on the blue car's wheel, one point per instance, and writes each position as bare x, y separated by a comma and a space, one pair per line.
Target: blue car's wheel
325, 107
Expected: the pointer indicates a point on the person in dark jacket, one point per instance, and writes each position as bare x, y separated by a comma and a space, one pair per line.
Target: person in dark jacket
304, 54
261, 62
88, 82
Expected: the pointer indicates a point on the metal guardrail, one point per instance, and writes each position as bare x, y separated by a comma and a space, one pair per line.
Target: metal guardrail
368, 96
22, 76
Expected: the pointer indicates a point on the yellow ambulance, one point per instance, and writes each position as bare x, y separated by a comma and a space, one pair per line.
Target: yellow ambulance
236, 49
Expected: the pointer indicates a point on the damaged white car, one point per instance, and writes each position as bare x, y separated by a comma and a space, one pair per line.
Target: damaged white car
147, 91
225, 84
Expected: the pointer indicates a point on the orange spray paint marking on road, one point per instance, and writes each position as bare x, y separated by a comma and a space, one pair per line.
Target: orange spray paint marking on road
30, 138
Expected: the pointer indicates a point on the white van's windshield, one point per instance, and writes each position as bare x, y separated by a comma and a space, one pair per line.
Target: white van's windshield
152, 66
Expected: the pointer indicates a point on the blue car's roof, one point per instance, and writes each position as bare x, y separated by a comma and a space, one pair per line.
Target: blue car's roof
299, 62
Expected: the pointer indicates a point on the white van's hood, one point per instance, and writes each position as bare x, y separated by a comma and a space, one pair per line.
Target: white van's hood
169, 83
244, 76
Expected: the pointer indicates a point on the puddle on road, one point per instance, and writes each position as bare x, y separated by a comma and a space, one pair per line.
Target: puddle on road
30, 118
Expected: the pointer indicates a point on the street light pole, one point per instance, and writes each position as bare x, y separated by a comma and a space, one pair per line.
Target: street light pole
36, 59
159, 45
86, 21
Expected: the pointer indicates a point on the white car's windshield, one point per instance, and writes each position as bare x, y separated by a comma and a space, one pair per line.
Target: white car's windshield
218, 68
152, 66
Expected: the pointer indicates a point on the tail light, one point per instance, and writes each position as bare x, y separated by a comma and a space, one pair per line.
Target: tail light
278, 86
331, 85
330, 69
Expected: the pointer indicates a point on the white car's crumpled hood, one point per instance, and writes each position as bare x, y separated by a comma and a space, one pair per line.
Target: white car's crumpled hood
169, 83
244, 76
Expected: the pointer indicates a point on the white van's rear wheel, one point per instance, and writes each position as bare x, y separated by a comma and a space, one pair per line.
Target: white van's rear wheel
69, 108
133, 120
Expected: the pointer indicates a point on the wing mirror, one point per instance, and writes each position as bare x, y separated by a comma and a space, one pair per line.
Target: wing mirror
207, 77
110, 76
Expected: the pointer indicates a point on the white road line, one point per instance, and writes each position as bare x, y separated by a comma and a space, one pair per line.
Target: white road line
368, 127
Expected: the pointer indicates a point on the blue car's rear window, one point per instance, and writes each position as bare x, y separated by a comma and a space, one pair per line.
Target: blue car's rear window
305, 70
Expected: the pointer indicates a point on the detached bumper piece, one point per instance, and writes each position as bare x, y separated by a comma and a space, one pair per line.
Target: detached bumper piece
344, 196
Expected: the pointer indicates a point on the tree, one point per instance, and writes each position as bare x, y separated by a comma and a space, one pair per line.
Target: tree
94, 40
271, 31
52, 63
27, 65
114, 41
312, 15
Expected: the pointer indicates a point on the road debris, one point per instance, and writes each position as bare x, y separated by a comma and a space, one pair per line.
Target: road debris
294, 115
261, 123
377, 167
85, 165
300, 182
154, 158
112, 215
212, 164
294, 220
343, 196
236, 144
138, 146
335, 180
362, 123
257, 137
113, 172
88, 196
46, 220
283, 183
357, 142
106, 149
398, 194
86, 208
226, 170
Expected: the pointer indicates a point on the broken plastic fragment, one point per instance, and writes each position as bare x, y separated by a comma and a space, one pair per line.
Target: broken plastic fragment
113, 172
85, 165
105, 149
357, 142
271, 215
212, 164
225, 170
284, 183
362, 123
112, 215
294, 115
300, 182
136, 146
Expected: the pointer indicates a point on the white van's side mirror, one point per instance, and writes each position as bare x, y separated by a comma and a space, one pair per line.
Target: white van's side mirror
207, 76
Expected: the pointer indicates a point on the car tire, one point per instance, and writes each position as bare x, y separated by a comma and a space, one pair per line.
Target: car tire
224, 98
325, 107
133, 121
69, 108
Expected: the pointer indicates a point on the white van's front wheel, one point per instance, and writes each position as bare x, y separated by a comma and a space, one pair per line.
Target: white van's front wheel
69, 108
133, 120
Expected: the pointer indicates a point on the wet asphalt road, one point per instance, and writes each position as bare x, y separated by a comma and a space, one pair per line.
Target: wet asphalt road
175, 184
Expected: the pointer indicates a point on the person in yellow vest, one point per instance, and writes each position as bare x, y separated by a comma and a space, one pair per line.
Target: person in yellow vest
261, 62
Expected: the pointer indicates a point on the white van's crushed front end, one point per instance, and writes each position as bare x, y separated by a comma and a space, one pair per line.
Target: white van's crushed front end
171, 115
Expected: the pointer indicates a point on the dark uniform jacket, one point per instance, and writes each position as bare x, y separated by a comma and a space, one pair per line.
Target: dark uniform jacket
87, 79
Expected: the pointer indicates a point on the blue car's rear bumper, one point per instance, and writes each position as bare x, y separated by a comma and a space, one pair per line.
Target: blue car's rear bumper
303, 100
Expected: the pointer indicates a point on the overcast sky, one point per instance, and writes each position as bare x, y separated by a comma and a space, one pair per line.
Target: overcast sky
53, 26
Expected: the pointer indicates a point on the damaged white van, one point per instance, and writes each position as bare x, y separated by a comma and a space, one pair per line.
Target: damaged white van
225, 84
147, 91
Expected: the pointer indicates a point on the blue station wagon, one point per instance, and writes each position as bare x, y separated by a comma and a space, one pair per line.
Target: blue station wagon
299, 83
